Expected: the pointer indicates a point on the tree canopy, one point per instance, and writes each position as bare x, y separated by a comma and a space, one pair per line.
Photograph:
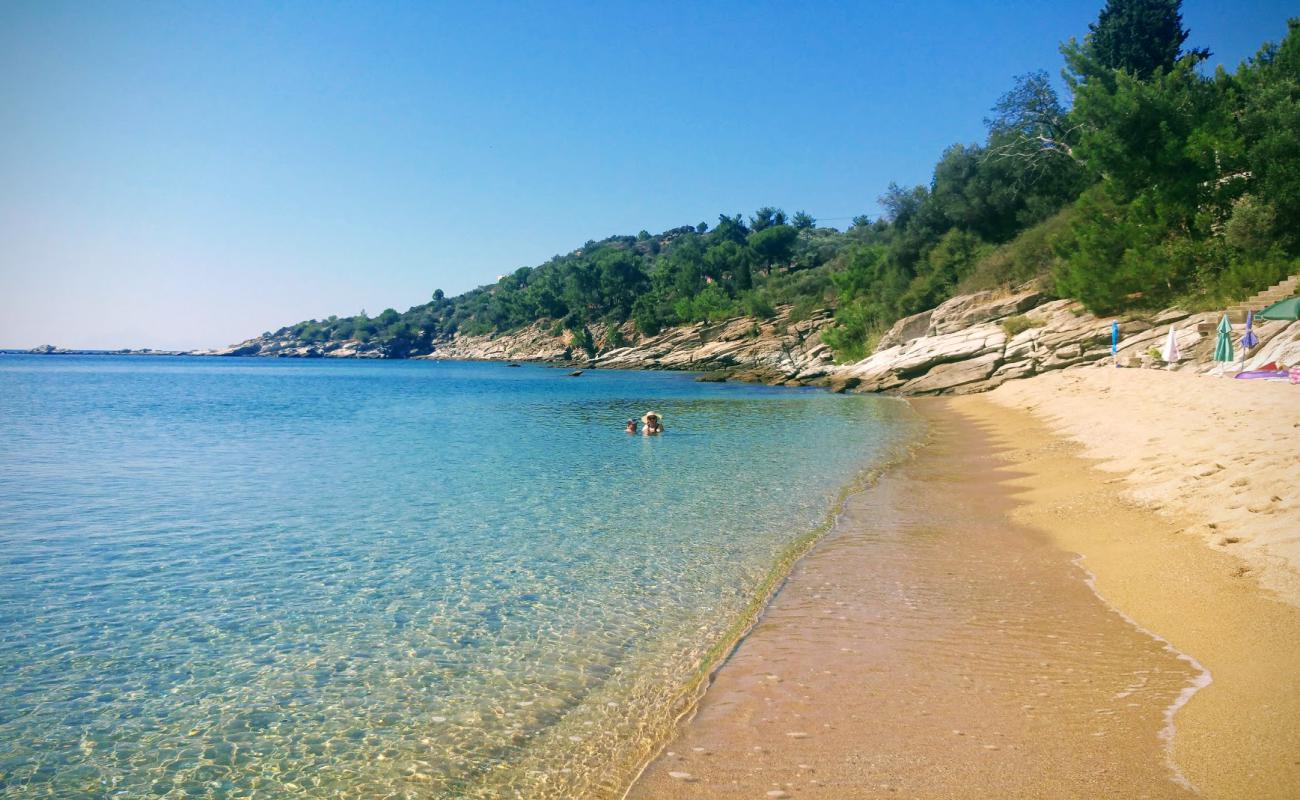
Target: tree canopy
1138, 36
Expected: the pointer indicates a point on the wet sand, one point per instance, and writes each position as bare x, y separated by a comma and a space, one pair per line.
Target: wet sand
943, 642
1240, 737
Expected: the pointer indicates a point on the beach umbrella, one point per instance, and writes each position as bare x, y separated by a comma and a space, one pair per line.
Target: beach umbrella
1223, 347
1170, 354
1283, 309
1114, 341
1249, 339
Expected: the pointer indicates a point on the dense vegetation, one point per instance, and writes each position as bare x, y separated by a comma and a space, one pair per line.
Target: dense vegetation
1156, 184
683, 275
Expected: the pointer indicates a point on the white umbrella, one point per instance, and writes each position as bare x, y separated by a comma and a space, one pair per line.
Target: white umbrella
1170, 353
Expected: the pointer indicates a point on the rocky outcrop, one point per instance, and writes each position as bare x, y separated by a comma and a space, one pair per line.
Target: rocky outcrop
773, 350
970, 343
744, 348
533, 343
291, 347
1282, 347
973, 343
52, 350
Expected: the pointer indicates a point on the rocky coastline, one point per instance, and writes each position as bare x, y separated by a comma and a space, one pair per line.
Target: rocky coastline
52, 350
971, 343
777, 350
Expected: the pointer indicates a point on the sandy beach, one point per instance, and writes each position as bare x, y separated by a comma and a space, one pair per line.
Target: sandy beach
1220, 455
1080, 587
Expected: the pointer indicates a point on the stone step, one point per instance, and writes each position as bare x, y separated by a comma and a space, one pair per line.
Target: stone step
1279, 291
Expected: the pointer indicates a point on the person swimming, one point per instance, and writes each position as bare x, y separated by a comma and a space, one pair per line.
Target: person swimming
653, 423
631, 426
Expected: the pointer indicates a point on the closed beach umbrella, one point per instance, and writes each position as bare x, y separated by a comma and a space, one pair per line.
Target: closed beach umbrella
1250, 339
1114, 341
1170, 354
1223, 347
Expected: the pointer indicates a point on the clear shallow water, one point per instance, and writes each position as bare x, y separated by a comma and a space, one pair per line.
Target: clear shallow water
405, 579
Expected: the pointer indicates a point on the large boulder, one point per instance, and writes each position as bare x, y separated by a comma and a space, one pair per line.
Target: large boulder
922, 355
946, 377
905, 330
249, 348
963, 311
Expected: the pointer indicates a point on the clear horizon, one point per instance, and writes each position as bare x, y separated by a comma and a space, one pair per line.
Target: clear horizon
178, 178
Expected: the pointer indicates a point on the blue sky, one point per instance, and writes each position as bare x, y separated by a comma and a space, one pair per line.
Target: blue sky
180, 174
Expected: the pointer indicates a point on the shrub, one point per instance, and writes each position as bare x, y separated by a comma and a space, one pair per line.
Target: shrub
1030, 255
582, 340
1019, 323
848, 337
1245, 276
756, 305
804, 308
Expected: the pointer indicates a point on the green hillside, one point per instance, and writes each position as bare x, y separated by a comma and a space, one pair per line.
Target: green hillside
1153, 183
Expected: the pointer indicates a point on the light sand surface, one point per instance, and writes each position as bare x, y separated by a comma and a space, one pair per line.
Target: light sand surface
1240, 736
942, 642
1223, 454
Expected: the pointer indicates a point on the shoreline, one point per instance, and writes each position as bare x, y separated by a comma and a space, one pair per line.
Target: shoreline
1209, 467
1184, 737
695, 690
621, 773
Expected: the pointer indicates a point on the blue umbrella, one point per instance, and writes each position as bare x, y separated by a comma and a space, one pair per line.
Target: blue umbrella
1114, 341
1249, 340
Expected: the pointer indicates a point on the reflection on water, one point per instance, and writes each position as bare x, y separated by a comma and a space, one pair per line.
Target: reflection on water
220, 578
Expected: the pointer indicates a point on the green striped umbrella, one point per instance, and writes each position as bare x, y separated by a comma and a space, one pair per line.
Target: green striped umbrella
1223, 347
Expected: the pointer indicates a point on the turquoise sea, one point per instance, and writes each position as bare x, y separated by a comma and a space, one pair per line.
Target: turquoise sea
230, 578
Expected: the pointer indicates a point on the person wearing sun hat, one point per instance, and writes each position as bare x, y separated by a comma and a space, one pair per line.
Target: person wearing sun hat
654, 423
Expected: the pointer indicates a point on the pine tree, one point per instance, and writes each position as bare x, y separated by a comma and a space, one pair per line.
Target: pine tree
1139, 36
